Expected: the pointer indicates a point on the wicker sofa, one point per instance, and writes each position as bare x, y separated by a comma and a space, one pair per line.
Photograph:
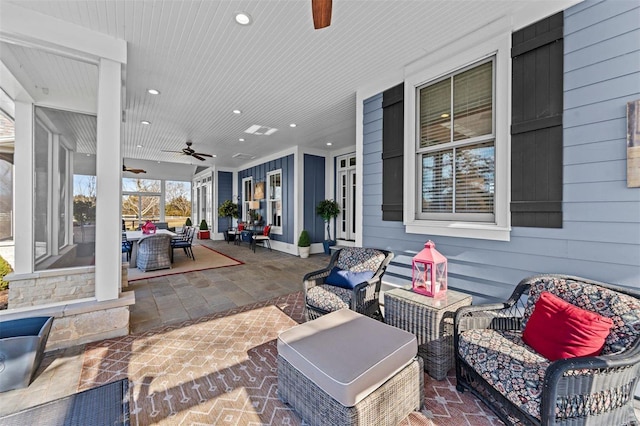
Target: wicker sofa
523, 387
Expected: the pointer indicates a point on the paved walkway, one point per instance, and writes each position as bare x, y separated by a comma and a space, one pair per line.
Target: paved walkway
164, 300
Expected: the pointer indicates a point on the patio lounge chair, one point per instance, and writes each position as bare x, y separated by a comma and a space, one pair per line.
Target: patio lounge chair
520, 384
351, 280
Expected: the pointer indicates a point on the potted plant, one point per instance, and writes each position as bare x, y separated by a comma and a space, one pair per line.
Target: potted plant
203, 233
228, 209
188, 222
327, 210
304, 244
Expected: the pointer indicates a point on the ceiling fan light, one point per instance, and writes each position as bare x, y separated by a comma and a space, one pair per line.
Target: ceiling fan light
243, 18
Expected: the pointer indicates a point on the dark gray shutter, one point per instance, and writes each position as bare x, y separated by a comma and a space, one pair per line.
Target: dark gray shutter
536, 124
392, 152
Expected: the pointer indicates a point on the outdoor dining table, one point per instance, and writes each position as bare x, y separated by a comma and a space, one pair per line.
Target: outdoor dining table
135, 236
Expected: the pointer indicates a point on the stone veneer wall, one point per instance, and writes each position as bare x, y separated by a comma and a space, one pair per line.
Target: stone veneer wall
53, 286
74, 327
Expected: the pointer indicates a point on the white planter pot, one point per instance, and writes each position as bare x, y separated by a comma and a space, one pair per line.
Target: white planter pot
304, 252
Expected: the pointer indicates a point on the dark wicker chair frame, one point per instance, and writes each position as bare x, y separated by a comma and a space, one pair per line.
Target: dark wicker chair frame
366, 295
585, 388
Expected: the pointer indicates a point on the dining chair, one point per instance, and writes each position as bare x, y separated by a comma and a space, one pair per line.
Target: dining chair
264, 238
185, 243
126, 245
154, 252
238, 233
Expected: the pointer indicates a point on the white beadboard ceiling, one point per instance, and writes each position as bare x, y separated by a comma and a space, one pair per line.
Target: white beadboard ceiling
277, 71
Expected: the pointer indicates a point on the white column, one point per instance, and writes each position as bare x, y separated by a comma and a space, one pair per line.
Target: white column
108, 181
23, 188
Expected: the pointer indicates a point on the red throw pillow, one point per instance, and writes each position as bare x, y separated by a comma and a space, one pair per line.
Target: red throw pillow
558, 330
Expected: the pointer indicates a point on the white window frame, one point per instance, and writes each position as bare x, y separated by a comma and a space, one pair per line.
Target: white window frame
441, 64
274, 229
246, 198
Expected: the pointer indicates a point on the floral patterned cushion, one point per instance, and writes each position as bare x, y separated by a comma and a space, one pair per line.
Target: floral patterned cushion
359, 259
329, 298
622, 309
507, 364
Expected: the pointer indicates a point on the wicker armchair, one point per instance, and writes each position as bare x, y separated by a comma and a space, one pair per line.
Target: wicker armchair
322, 297
154, 252
523, 387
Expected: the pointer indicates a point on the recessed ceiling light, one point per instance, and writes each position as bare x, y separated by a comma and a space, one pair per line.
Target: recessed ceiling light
243, 18
444, 115
329, 144
88, 155
292, 125
237, 111
138, 146
145, 122
241, 139
153, 91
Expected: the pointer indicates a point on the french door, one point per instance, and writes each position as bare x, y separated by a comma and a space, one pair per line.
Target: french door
346, 197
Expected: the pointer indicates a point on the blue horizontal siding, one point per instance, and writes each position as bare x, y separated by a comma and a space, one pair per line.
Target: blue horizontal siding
600, 237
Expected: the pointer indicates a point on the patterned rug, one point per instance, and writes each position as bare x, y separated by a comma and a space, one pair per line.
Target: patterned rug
206, 258
221, 369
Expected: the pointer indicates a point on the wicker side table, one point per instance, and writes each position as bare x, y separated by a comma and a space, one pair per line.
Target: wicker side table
431, 320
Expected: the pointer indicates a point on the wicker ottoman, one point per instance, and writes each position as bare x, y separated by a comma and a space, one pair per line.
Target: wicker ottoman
347, 369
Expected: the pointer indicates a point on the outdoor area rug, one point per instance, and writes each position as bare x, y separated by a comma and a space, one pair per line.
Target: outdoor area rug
221, 369
206, 258
103, 405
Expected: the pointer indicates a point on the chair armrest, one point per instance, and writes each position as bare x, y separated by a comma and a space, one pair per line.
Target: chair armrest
607, 382
315, 278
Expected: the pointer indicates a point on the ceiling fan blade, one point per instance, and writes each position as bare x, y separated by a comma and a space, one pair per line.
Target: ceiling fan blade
196, 155
136, 171
321, 10
166, 150
202, 154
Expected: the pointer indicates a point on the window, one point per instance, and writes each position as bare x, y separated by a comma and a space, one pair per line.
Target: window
456, 141
456, 146
64, 189
177, 205
274, 201
247, 197
140, 201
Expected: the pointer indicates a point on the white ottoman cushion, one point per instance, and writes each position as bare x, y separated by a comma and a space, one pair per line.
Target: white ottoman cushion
348, 355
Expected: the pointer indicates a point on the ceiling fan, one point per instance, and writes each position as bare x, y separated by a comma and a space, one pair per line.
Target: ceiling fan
129, 169
191, 152
321, 10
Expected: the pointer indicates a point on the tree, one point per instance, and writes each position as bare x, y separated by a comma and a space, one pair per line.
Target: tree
228, 209
327, 210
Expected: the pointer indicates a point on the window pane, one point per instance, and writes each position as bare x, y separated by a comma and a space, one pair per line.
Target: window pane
150, 208
435, 107
437, 182
177, 207
473, 102
42, 198
62, 197
140, 185
475, 179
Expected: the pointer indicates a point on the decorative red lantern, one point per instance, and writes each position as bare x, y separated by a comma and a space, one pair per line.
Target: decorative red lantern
429, 275
148, 228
